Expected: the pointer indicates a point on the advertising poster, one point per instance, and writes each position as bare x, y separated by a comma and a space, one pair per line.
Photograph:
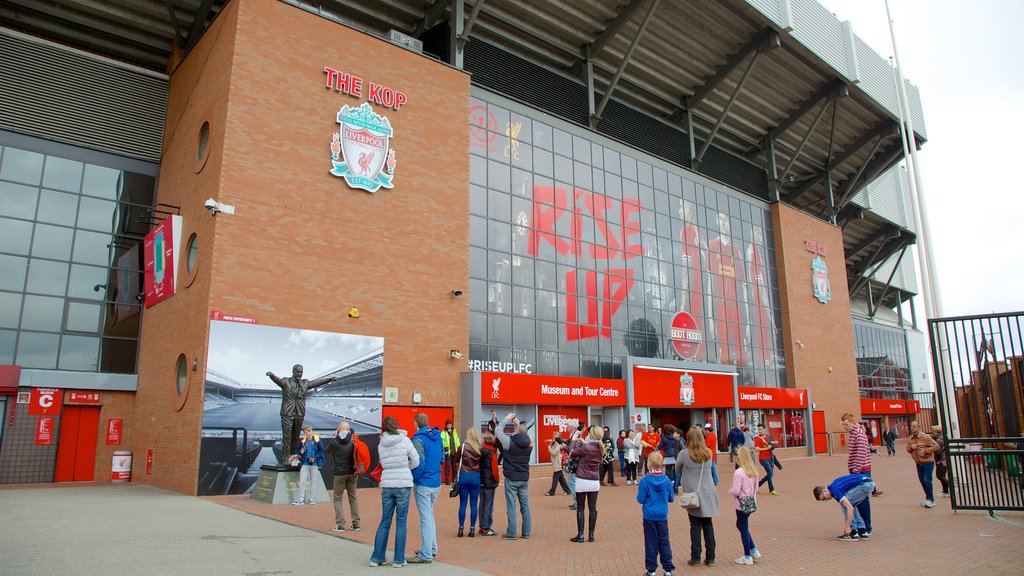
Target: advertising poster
44, 431
242, 405
114, 426
160, 249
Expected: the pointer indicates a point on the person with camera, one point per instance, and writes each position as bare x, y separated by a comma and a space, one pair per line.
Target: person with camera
516, 465
558, 458
588, 484
311, 454
488, 482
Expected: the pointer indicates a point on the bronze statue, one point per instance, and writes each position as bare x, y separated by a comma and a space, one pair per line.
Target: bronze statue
293, 405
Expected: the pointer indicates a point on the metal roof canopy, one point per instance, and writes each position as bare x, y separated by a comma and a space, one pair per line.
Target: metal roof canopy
745, 84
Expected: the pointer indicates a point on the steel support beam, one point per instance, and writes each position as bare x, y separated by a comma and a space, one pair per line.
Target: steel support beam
803, 141
695, 162
886, 126
468, 28
875, 166
590, 51
622, 65
858, 274
848, 186
178, 38
431, 17
773, 175
764, 40
198, 25
881, 233
455, 33
888, 282
830, 198
830, 91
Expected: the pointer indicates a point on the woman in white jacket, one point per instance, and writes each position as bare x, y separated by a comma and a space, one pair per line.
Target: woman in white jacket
632, 447
397, 458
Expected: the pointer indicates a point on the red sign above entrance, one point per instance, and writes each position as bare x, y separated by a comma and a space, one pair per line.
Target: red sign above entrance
44, 402
80, 397
500, 388
673, 387
888, 406
751, 397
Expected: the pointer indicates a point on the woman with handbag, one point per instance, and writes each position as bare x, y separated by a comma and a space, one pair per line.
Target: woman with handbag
588, 482
693, 467
744, 494
397, 459
633, 447
468, 479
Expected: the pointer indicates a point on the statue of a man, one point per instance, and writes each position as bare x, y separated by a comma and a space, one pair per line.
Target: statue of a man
293, 405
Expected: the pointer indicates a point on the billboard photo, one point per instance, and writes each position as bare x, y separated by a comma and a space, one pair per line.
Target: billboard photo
242, 405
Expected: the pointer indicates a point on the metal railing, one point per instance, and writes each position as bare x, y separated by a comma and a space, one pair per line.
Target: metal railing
986, 474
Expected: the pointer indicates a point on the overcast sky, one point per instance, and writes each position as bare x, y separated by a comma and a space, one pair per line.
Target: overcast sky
966, 59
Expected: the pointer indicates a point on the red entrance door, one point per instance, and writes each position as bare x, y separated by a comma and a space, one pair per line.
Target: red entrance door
820, 435
76, 446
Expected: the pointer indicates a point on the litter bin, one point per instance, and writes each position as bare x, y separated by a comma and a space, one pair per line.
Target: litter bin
121, 466
1013, 465
991, 460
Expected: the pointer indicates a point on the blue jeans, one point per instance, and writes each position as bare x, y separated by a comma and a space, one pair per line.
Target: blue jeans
924, 474
516, 490
425, 498
622, 463
469, 493
714, 471
656, 542
860, 497
769, 473
486, 508
670, 472
743, 525
394, 502
572, 487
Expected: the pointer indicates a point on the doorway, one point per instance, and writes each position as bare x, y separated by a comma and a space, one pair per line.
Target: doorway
76, 445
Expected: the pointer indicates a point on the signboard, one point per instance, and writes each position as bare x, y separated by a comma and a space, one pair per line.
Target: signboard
82, 397
114, 426
44, 402
551, 419
754, 397
673, 387
44, 431
217, 315
503, 388
686, 336
889, 406
160, 249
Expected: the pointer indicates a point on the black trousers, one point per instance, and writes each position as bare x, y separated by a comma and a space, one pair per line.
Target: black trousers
608, 469
588, 499
558, 479
700, 525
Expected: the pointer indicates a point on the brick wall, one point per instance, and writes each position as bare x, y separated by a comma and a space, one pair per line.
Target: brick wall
303, 247
825, 365
21, 460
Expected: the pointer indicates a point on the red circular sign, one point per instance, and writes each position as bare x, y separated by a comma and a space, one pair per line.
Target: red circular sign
482, 126
686, 336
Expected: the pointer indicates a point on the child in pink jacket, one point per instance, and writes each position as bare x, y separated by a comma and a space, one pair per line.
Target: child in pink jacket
744, 483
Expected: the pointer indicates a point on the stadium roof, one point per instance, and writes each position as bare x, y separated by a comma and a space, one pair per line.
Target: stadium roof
753, 75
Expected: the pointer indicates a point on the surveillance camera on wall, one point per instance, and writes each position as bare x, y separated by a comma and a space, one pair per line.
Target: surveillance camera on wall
456, 292
213, 206
455, 354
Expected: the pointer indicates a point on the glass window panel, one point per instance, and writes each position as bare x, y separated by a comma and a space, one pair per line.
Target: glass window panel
582, 176
499, 206
522, 271
523, 333
581, 149
675, 185
12, 272
547, 305
597, 155
498, 296
498, 176
477, 328
522, 183
522, 156
501, 117
83, 317
62, 174
644, 174
18, 200
597, 181
628, 167
547, 362
499, 149
499, 328
58, 207
10, 310
118, 355
21, 166
477, 231
499, 236
542, 135
42, 313
563, 168
499, 267
91, 248
523, 127
47, 277
660, 180
478, 200
612, 185
563, 141
546, 275
38, 350
477, 170
8, 338
477, 294
52, 242
612, 162
101, 182
15, 236
84, 279
79, 353
522, 300
569, 364
544, 163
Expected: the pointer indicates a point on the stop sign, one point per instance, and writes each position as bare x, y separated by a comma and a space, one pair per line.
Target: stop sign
686, 336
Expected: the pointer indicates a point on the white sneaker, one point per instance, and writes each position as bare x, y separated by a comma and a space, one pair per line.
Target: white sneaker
311, 502
944, 495
297, 503
928, 504
755, 553
745, 560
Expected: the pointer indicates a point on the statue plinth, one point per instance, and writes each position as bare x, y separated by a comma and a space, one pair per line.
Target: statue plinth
279, 484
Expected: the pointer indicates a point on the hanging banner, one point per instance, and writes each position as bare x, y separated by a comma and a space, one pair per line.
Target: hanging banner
114, 426
160, 249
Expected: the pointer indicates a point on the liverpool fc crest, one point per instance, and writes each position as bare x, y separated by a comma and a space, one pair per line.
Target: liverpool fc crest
360, 149
819, 277
686, 395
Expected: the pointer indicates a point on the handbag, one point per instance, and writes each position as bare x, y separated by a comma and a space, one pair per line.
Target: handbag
691, 500
455, 483
775, 461
748, 504
376, 473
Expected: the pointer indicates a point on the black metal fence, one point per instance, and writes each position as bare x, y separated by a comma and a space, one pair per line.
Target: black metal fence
985, 473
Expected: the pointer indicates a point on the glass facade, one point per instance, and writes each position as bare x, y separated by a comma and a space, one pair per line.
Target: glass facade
70, 257
582, 253
883, 369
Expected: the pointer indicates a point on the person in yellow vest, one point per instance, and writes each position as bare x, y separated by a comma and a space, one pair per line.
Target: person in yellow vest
450, 445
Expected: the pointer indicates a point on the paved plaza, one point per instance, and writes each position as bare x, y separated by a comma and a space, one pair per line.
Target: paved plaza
94, 529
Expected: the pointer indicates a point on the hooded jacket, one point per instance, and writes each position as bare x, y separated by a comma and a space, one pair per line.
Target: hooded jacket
397, 458
488, 466
427, 442
516, 460
312, 448
655, 493
351, 456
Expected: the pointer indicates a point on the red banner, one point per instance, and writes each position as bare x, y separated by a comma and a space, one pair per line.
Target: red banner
160, 255
44, 402
551, 419
887, 406
501, 388
44, 431
675, 388
149, 462
114, 426
753, 397
80, 397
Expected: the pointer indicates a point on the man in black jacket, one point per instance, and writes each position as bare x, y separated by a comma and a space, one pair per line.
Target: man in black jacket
516, 466
342, 448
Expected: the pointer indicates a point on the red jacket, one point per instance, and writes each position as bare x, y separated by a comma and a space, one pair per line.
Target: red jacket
361, 455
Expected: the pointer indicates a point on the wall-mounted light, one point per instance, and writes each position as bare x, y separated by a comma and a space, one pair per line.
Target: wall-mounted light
97, 287
799, 344
455, 354
353, 312
195, 364
455, 292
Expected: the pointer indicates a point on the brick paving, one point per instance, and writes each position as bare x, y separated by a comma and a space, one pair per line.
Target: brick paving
794, 533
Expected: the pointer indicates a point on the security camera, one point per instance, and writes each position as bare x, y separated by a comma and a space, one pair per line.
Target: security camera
211, 205
455, 354
456, 292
